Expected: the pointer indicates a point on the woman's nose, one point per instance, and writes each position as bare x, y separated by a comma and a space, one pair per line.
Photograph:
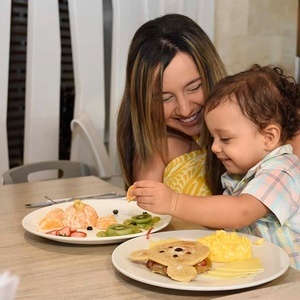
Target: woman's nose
183, 106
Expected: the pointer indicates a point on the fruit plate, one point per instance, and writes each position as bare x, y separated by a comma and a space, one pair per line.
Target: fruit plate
274, 259
103, 207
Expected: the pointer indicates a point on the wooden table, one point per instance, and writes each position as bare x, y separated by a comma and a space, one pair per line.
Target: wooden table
51, 270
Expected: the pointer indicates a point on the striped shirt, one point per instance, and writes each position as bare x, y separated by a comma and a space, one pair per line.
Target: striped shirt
275, 181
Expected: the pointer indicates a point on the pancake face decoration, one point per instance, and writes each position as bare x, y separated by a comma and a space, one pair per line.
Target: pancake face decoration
180, 260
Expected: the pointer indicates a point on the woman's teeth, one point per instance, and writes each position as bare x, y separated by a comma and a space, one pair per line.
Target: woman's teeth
190, 119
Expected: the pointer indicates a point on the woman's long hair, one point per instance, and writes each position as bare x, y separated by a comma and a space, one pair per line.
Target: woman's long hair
141, 128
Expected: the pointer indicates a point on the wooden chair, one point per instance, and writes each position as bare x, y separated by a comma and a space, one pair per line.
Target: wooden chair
50, 170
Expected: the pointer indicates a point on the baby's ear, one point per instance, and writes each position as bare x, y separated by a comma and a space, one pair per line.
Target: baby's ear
272, 134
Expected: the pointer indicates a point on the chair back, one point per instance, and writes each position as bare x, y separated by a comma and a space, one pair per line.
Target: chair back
62, 169
88, 125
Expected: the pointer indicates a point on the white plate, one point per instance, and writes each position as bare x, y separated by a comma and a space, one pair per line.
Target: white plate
103, 208
274, 259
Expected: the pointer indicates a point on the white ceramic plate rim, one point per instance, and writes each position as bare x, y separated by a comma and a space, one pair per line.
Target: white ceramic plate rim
274, 259
103, 207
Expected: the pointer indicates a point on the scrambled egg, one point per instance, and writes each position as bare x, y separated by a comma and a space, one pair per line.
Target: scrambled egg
227, 246
259, 241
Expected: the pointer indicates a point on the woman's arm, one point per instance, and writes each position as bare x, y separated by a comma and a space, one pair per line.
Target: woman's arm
177, 146
153, 171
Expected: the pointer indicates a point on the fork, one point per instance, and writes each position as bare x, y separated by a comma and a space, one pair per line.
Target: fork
110, 195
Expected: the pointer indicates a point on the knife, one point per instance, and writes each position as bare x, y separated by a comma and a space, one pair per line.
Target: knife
110, 195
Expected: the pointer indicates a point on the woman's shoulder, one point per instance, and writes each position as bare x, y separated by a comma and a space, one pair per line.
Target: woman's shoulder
179, 145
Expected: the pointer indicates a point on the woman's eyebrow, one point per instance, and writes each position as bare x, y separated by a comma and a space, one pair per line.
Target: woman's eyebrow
193, 81
189, 83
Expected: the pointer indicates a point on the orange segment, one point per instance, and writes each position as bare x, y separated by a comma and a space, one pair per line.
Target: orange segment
50, 222
52, 219
79, 219
104, 222
129, 196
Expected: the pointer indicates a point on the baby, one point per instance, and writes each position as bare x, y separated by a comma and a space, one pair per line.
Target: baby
250, 117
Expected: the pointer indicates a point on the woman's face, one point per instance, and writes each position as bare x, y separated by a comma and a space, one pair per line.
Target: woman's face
183, 95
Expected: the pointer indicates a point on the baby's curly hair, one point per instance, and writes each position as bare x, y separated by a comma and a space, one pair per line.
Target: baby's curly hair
265, 95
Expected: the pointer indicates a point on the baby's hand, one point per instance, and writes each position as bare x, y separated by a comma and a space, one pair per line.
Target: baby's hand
155, 197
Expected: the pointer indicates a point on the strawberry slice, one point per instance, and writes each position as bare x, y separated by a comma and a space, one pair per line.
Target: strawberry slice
52, 232
65, 231
78, 234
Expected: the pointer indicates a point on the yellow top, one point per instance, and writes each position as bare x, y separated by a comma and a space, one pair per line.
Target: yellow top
185, 174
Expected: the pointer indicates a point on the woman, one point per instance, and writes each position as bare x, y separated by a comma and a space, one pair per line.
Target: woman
172, 66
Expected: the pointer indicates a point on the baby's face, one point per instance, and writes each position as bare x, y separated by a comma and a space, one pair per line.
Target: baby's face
236, 140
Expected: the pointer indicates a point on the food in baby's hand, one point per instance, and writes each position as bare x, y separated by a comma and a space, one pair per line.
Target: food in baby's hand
129, 195
180, 260
227, 246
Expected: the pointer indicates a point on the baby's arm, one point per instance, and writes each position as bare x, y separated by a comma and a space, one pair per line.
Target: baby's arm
214, 211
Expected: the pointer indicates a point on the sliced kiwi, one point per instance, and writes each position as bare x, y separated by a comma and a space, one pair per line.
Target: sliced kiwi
135, 229
149, 224
101, 234
142, 219
145, 225
119, 229
129, 222
155, 219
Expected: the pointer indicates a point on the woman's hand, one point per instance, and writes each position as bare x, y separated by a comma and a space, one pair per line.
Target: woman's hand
155, 197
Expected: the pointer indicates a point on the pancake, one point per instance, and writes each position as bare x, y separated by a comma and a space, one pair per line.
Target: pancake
180, 260
178, 253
